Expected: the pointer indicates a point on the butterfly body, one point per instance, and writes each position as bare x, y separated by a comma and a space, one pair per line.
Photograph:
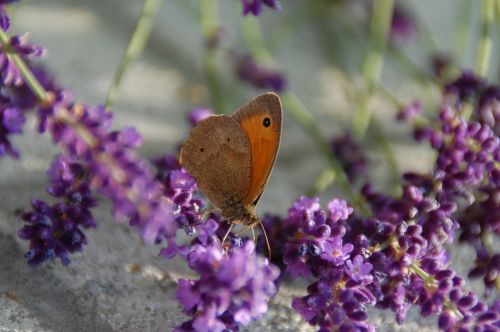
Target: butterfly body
231, 156
238, 213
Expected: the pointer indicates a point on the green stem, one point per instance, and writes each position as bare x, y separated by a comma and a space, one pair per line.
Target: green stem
136, 45
497, 11
426, 277
254, 39
485, 47
390, 97
428, 38
374, 62
409, 65
463, 31
321, 182
430, 283
303, 117
385, 147
26, 73
209, 24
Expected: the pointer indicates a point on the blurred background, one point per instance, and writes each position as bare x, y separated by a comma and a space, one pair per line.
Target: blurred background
194, 58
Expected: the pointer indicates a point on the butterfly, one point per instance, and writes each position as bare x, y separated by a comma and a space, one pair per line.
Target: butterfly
231, 157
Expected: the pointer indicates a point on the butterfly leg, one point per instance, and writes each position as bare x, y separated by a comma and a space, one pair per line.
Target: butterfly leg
227, 234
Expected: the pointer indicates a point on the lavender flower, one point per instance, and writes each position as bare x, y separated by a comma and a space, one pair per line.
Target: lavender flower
488, 107
232, 289
108, 157
441, 65
57, 230
198, 114
181, 189
484, 97
54, 231
69, 180
465, 87
415, 227
403, 26
339, 294
351, 156
381, 261
255, 6
339, 210
487, 266
11, 122
4, 19
114, 168
335, 253
410, 111
260, 76
9, 73
358, 269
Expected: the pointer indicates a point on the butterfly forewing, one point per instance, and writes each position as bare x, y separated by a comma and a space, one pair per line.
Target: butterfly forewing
261, 121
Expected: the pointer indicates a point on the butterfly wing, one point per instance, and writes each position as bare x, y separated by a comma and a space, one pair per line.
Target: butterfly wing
261, 121
217, 155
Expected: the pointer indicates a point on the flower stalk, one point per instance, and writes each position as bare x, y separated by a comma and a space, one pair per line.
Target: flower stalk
209, 24
27, 75
254, 39
137, 42
374, 62
430, 282
485, 47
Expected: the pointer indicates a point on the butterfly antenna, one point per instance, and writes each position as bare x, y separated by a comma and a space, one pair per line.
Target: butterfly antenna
265, 237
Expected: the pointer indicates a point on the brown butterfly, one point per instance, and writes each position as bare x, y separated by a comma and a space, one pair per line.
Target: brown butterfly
231, 157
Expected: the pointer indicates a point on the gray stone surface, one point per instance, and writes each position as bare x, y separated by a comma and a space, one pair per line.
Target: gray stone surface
119, 283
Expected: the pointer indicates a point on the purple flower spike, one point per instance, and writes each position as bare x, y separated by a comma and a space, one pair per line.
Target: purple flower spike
180, 188
258, 75
403, 26
410, 111
4, 19
11, 122
9, 74
255, 6
232, 290
114, 168
56, 231
351, 156
206, 230
466, 86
